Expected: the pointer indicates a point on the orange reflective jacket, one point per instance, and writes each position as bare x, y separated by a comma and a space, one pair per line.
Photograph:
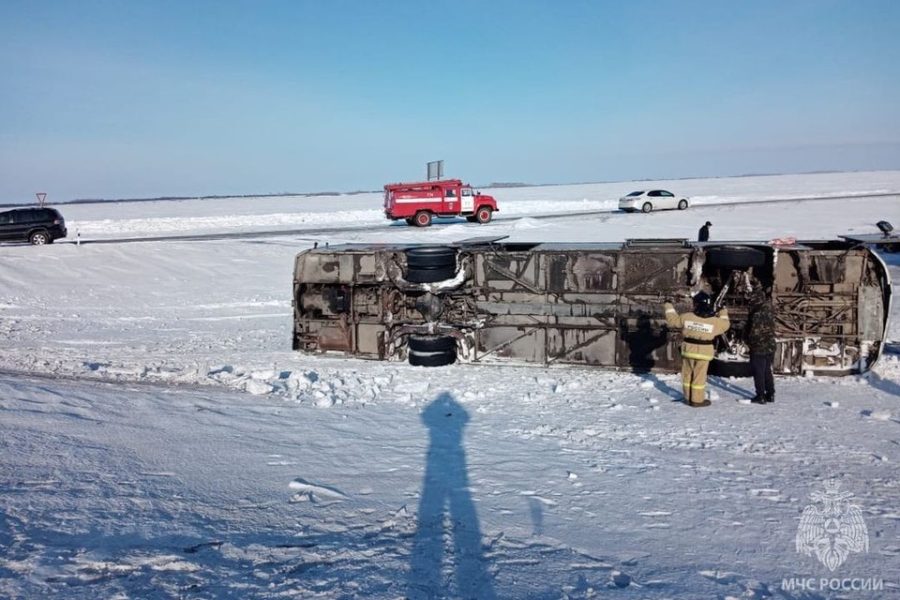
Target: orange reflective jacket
698, 332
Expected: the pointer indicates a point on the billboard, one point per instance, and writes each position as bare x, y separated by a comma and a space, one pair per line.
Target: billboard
435, 169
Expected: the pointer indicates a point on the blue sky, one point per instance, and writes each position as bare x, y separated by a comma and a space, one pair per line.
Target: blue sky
111, 98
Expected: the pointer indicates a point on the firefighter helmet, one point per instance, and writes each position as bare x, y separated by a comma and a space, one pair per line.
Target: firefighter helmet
703, 304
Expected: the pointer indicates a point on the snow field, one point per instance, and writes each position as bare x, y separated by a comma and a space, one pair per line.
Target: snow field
160, 440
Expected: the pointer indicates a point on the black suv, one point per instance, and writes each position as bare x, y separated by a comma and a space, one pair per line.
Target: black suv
35, 225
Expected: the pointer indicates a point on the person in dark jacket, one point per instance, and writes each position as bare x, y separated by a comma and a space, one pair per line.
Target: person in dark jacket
761, 340
703, 236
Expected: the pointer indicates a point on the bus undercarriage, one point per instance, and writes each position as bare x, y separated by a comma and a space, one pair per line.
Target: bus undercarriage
600, 304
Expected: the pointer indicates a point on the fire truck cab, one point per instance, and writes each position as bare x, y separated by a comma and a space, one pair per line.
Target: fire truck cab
418, 203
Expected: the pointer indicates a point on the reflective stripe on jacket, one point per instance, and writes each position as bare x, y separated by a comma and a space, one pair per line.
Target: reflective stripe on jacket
698, 332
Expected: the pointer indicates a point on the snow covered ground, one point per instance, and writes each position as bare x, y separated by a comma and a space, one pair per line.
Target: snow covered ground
160, 440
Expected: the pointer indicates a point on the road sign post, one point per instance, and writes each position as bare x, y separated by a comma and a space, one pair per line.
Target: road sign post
41, 197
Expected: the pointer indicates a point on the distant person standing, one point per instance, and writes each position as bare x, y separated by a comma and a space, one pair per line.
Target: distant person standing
703, 236
761, 340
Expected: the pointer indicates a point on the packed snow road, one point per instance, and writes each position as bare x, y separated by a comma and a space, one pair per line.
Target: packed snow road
324, 232
160, 439
334, 214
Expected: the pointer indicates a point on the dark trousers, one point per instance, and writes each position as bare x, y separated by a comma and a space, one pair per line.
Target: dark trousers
761, 365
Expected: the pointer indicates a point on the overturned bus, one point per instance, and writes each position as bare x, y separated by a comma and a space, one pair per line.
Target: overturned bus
484, 300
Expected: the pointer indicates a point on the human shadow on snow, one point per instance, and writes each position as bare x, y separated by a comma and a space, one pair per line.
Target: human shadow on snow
726, 385
447, 525
643, 341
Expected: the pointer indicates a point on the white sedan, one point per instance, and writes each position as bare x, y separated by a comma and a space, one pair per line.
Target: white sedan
646, 201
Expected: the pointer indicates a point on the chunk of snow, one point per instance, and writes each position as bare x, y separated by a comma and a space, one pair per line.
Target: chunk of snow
257, 387
313, 492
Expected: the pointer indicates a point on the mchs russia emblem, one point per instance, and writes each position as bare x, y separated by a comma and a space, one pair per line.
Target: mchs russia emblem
832, 528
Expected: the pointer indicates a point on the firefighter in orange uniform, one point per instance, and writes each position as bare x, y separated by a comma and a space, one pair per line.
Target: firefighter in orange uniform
698, 329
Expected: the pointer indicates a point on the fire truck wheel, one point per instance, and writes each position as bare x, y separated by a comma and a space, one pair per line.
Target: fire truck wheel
735, 257
431, 343
423, 218
428, 264
432, 359
483, 215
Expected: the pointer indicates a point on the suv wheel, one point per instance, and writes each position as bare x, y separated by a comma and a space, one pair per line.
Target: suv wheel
39, 238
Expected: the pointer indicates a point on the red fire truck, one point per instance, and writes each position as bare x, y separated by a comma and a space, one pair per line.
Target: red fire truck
419, 202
